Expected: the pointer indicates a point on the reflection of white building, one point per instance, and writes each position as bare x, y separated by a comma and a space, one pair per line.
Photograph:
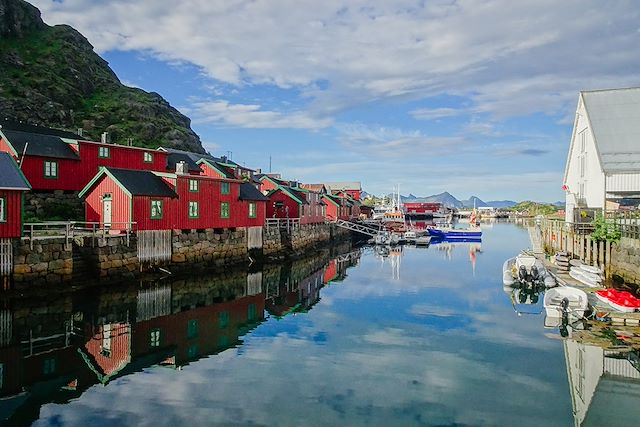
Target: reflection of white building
603, 163
604, 385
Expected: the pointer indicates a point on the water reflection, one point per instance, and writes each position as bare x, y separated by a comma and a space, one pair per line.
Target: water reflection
54, 348
604, 385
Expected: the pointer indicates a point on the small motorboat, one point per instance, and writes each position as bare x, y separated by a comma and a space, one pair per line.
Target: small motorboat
622, 301
423, 240
526, 269
455, 233
410, 236
586, 277
565, 300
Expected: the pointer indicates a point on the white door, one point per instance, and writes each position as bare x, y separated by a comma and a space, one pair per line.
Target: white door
106, 212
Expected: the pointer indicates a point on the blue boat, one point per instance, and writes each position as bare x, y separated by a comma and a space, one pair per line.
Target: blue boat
455, 233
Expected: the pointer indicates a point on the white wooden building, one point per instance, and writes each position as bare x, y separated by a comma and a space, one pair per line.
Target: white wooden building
603, 164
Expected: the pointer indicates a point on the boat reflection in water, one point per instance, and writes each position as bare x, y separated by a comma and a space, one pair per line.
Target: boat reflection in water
54, 348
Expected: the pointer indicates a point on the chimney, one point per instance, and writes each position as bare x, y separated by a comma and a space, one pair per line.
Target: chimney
259, 170
181, 168
130, 142
293, 184
224, 159
104, 138
80, 131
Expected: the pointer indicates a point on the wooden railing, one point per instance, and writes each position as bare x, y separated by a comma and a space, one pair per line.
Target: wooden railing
627, 222
68, 230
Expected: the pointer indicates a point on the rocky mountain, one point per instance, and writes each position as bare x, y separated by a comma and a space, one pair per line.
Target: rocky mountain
51, 76
449, 200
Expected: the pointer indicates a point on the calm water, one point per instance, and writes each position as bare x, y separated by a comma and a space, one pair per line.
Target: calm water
422, 336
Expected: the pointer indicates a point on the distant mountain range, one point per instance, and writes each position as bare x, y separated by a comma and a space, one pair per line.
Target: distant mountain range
450, 201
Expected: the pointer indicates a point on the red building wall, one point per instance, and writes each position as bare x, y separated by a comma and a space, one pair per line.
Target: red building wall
68, 178
120, 204
12, 227
120, 156
312, 211
289, 209
331, 212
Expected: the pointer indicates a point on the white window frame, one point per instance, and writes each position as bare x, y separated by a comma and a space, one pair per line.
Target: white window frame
194, 209
51, 169
103, 152
147, 157
3, 209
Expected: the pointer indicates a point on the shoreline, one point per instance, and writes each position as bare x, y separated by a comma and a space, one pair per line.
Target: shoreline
56, 261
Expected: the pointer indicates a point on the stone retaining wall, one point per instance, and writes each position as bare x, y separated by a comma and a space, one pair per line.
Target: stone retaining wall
55, 261
625, 260
50, 205
48, 261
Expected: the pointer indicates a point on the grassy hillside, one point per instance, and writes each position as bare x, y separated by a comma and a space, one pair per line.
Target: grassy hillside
51, 76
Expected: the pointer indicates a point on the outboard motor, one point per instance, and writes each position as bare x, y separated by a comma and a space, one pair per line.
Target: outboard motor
522, 273
535, 274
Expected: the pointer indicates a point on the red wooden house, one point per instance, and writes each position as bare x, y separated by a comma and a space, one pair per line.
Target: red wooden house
287, 202
13, 184
354, 188
337, 208
58, 160
155, 201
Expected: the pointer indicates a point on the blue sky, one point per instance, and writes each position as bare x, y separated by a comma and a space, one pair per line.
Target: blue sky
474, 97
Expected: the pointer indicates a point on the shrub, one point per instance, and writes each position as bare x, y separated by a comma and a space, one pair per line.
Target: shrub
604, 230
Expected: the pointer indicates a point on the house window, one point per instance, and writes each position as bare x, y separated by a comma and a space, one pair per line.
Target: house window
225, 188
224, 210
148, 157
192, 329
154, 338
301, 210
49, 366
279, 205
103, 152
193, 351
193, 185
51, 169
251, 312
253, 212
193, 210
3, 209
223, 319
156, 209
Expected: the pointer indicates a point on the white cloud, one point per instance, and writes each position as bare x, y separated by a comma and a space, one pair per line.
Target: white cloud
250, 116
393, 142
510, 58
436, 113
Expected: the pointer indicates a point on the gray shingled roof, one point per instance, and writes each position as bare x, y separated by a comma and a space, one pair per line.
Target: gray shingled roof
352, 185
142, 183
10, 175
41, 130
250, 192
614, 116
39, 144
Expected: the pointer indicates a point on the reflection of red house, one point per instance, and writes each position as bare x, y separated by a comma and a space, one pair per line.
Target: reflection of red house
108, 349
199, 331
331, 271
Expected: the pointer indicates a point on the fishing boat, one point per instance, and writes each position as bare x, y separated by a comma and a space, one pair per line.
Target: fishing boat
565, 300
526, 269
410, 236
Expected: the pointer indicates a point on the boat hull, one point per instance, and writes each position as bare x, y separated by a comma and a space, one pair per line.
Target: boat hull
454, 234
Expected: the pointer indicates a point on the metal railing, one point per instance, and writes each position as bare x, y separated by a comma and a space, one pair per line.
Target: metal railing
288, 223
68, 230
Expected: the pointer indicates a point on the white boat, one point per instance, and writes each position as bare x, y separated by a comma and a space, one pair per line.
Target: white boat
387, 238
423, 240
565, 300
410, 236
526, 269
585, 277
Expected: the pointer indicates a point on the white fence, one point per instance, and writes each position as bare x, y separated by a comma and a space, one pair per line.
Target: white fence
6, 257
